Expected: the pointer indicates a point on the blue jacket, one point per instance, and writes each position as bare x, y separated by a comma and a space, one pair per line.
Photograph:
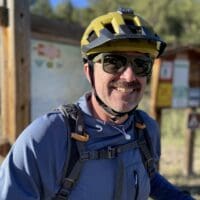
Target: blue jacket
33, 168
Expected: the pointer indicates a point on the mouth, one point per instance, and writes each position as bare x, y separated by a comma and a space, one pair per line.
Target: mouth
125, 87
127, 90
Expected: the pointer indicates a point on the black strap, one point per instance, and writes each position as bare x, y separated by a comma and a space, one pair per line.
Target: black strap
145, 146
109, 152
73, 165
119, 180
69, 182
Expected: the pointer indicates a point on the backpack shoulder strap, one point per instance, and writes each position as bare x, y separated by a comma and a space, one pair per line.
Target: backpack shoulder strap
145, 144
76, 138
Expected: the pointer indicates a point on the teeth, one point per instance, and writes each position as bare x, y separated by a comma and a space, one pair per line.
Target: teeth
125, 89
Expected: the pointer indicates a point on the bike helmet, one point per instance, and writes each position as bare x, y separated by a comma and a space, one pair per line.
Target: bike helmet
120, 31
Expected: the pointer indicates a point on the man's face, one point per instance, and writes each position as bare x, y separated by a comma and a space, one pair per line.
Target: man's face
121, 90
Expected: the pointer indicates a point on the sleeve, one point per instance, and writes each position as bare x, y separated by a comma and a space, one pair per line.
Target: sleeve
15, 177
161, 189
33, 167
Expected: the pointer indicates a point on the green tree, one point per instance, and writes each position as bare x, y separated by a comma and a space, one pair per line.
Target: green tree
65, 11
42, 8
177, 21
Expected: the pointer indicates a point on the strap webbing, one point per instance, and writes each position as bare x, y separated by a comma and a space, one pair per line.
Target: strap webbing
109, 153
119, 180
145, 152
70, 181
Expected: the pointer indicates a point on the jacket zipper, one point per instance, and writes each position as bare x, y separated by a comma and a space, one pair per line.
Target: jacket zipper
136, 184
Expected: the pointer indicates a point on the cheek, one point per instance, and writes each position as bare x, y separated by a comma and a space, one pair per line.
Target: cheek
143, 81
101, 78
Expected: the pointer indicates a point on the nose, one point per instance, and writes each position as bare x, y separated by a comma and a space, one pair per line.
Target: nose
128, 74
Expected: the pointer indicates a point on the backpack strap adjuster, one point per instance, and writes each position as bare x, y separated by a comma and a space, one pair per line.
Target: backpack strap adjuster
68, 183
150, 166
111, 152
62, 195
85, 156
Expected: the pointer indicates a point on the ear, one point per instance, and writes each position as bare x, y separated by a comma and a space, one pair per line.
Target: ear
87, 71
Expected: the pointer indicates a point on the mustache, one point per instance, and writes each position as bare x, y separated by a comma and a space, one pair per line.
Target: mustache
125, 84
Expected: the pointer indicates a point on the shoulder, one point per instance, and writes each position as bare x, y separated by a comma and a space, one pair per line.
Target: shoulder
42, 143
48, 127
37, 157
150, 123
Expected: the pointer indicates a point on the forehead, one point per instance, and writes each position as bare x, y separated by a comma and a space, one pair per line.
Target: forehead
129, 53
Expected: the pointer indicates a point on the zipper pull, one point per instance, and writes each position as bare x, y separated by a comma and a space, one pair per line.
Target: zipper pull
136, 184
127, 136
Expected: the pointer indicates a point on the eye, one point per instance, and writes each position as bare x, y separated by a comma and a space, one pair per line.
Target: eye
110, 60
143, 66
142, 62
114, 63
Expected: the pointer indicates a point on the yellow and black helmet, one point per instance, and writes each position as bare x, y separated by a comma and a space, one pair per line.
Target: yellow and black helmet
120, 31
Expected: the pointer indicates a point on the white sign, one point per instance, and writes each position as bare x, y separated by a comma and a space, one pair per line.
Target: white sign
56, 76
166, 70
180, 83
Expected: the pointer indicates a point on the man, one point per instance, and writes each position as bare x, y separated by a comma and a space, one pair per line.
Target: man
118, 50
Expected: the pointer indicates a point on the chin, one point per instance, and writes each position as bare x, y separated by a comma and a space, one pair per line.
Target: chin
124, 109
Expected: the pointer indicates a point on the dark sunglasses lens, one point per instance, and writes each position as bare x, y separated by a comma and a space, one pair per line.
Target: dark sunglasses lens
142, 66
114, 63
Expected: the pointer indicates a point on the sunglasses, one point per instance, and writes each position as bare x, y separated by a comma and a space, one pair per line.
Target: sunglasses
117, 63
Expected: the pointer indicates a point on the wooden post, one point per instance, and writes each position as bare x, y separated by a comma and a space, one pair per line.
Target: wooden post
190, 138
156, 112
15, 69
154, 88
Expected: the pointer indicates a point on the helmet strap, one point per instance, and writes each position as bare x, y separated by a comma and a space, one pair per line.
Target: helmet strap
115, 114
91, 72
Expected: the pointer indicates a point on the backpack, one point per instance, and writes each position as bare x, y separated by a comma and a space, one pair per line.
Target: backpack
77, 155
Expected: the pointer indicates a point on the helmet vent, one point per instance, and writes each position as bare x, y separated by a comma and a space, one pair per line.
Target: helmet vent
92, 36
134, 29
129, 22
110, 28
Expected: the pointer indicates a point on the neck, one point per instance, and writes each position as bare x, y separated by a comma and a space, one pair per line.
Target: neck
99, 113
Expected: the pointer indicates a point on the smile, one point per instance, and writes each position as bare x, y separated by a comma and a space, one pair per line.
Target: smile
126, 90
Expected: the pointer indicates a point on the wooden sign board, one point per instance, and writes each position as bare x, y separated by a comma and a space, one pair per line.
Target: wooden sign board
176, 81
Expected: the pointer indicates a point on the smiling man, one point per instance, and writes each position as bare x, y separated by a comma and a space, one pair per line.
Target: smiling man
119, 83
102, 147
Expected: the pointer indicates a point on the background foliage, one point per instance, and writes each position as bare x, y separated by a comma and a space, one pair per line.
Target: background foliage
176, 20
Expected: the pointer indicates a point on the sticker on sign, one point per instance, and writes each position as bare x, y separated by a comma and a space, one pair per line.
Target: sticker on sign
194, 120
